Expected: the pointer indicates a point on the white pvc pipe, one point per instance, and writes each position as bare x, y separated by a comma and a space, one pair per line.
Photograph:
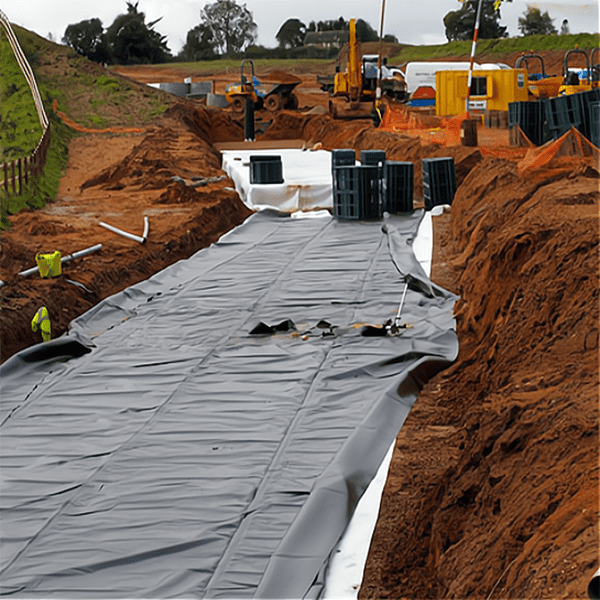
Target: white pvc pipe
131, 236
80, 253
64, 259
146, 228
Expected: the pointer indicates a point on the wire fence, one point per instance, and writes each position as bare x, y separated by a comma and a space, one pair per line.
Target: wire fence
17, 174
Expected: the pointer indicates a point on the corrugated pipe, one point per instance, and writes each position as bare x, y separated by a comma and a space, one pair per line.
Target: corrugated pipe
131, 236
594, 586
65, 259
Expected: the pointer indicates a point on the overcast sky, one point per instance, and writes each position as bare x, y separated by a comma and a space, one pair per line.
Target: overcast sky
412, 22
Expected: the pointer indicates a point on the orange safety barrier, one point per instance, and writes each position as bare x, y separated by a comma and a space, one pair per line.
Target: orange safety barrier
73, 125
571, 144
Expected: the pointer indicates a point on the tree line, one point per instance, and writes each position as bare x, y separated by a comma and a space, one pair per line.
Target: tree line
228, 29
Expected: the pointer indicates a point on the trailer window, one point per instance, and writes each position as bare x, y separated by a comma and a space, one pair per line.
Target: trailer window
479, 86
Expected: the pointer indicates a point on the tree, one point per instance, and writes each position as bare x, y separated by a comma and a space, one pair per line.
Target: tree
534, 22
291, 34
199, 44
365, 33
564, 27
132, 41
460, 24
232, 25
88, 39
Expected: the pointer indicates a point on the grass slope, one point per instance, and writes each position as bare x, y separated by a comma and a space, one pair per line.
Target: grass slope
85, 91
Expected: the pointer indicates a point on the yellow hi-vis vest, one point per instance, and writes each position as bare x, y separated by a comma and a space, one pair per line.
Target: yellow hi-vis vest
41, 319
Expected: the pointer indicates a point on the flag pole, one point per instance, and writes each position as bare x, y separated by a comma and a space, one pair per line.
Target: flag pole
474, 45
378, 92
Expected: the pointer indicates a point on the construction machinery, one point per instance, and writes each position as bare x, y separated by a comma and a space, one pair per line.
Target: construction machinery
540, 85
273, 91
355, 90
576, 80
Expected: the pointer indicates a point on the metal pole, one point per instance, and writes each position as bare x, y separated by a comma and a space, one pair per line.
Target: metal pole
378, 92
474, 45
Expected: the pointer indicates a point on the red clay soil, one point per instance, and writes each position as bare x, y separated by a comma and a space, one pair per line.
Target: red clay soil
493, 487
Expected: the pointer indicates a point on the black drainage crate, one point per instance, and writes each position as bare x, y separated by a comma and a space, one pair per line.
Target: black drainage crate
356, 193
266, 169
398, 187
439, 181
342, 157
531, 118
372, 157
594, 111
590, 124
562, 113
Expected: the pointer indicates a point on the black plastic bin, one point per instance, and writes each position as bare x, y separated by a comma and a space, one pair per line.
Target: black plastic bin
589, 119
398, 187
531, 118
357, 192
372, 157
342, 157
562, 113
266, 169
439, 181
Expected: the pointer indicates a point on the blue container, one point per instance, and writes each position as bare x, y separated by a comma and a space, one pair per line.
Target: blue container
439, 181
398, 187
357, 192
266, 169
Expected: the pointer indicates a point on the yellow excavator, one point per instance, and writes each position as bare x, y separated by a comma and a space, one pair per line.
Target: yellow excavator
355, 90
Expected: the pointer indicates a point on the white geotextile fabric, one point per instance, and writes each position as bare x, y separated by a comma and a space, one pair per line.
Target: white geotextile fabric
306, 179
307, 185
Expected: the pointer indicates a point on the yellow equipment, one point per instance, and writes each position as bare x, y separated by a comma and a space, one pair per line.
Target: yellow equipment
41, 319
540, 84
354, 91
49, 264
273, 92
491, 89
573, 83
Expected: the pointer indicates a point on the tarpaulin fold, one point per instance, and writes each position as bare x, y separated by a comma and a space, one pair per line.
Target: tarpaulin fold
184, 456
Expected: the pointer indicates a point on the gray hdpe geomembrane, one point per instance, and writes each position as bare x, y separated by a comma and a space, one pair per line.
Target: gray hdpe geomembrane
183, 456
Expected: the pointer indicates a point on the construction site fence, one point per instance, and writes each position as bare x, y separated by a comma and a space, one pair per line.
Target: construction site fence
18, 173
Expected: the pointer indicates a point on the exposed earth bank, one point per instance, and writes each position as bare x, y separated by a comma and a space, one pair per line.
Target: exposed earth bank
493, 487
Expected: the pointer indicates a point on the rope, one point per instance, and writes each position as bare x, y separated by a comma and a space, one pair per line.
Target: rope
26, 68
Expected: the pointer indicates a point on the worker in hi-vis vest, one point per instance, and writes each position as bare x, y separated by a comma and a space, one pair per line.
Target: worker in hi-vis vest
41, 319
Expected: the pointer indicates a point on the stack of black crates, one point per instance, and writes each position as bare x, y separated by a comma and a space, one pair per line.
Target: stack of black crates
545, 120
365, 191
439, 181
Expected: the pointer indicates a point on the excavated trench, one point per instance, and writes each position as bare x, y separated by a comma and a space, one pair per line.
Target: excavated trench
493, 487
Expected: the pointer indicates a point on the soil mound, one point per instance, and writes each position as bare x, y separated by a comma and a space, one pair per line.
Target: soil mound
502, 500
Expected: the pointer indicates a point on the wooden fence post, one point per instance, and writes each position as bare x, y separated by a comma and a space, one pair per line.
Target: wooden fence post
20, 174
6, 177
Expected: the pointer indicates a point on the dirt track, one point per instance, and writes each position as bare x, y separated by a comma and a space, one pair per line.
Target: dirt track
493, 488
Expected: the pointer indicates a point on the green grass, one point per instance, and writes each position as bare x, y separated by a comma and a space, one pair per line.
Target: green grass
20, 128
585, 41
233, 65
45, 187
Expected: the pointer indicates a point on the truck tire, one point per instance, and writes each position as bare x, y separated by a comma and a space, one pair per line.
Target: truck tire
274, 103
237, 103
